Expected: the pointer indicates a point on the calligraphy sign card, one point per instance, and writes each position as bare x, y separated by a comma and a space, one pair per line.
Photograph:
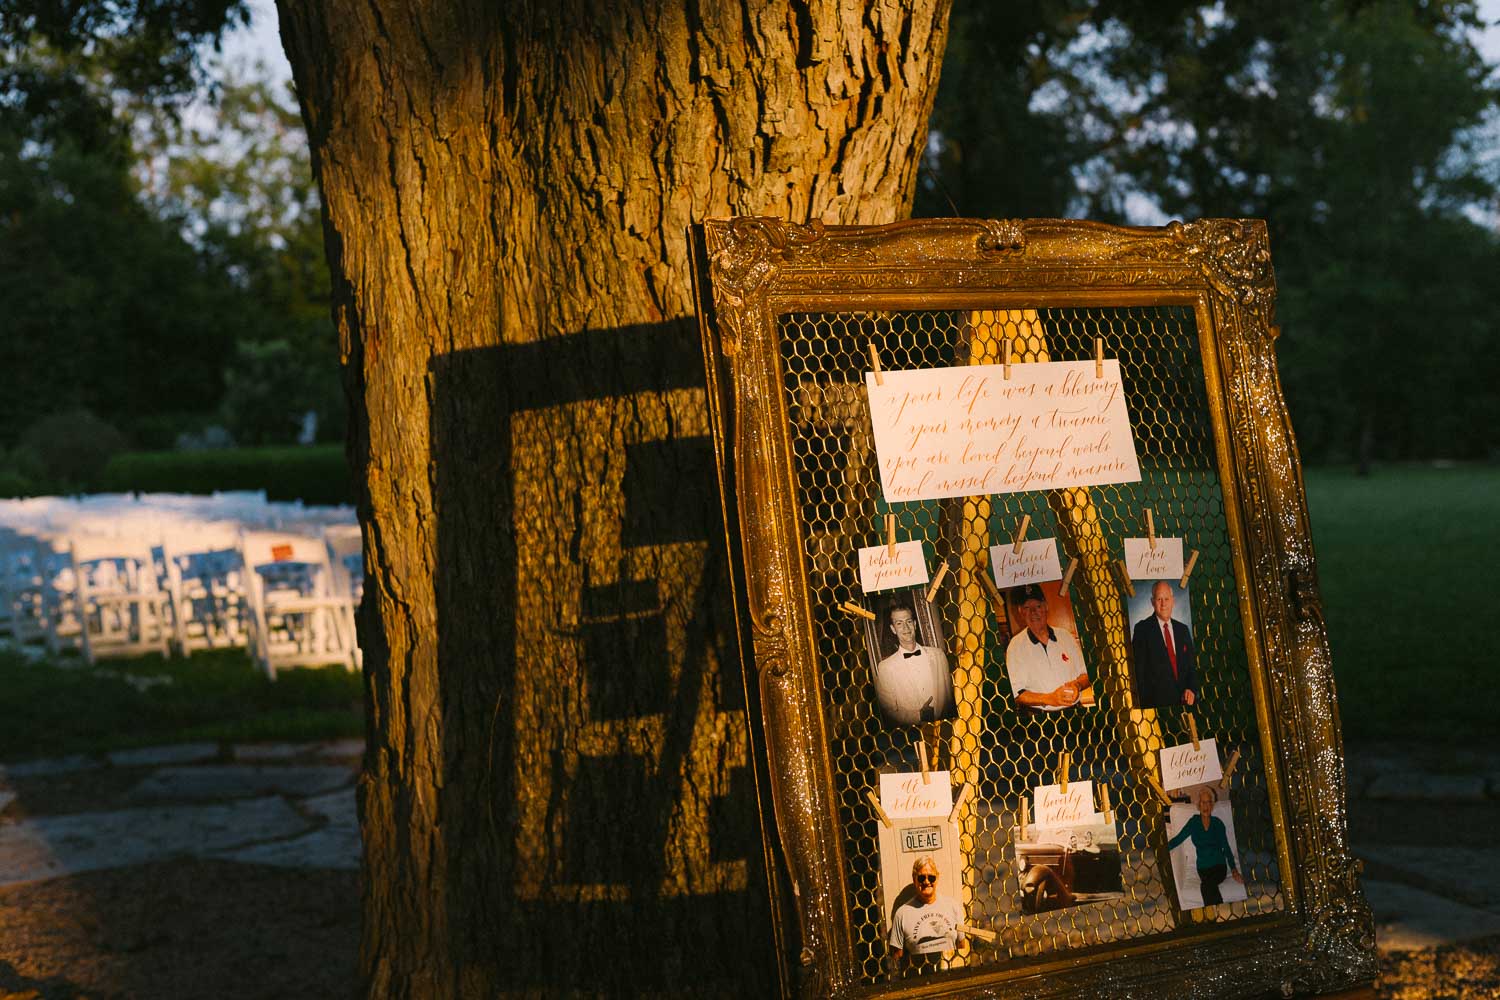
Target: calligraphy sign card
880, 570
1160, 563
1057, 808
905, 794
1037, 563
965, 431
1182, 765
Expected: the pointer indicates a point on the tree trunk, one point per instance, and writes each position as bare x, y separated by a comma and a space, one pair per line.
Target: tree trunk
557, 792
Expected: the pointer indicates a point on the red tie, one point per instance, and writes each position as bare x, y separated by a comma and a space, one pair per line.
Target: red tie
1166, 631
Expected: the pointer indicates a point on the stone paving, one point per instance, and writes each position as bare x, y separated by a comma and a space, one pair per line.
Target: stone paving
290, 805
1423, 823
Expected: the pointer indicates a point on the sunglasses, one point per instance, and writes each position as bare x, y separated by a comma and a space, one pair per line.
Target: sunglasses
926, 879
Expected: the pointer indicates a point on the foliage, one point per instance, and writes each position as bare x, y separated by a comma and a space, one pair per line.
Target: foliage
106, 306
240, 182
67, 452
151, 48
1349, 126
1382, 581
143, 239
55, 708
1009, 133
314, 475
268, 389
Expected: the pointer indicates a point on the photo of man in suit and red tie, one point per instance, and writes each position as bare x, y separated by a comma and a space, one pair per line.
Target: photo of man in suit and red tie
1166, 674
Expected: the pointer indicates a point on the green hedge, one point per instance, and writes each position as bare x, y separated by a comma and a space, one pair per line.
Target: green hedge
317, 474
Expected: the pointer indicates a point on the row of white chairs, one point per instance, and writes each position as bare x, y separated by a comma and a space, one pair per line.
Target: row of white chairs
137, 580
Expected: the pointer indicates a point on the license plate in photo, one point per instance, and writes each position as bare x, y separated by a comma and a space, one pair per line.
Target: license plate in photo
922, 838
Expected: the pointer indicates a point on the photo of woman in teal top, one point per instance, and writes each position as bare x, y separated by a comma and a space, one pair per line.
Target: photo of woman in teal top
1211, 844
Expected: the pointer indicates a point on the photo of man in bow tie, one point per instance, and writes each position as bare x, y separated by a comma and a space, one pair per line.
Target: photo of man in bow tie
912, 681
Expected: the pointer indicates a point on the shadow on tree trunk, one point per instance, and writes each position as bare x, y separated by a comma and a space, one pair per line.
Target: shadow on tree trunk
597, 805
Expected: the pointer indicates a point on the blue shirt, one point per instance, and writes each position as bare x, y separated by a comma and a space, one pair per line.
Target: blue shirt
1212, 844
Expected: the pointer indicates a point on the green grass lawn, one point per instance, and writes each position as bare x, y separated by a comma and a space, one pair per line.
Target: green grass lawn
1407, 559
49, 709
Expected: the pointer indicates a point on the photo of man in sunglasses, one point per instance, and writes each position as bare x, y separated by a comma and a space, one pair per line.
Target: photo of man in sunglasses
926, 924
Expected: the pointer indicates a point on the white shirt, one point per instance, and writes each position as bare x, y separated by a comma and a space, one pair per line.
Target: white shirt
923, 930
1043, 667
905, 685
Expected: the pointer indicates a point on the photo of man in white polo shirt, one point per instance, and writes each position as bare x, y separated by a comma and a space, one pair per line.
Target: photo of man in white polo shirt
1043, 660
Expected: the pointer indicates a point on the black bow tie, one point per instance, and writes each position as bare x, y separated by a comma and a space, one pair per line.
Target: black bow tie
917, 652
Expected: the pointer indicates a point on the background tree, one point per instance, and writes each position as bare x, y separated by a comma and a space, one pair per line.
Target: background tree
149, 236
1351, 127
236, 178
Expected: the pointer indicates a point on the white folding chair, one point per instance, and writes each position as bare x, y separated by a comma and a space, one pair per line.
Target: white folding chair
206, 580
346, 560
54, 599
120, 608
20, 589
296, 618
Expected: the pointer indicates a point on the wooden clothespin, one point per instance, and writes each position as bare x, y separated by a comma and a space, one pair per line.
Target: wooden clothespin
854, 609
963, 797
993, 591
1156, 787
890, 534
1192, 721
1005, 355
922, 756
1062, 588
1234, 759
937, 580
1021, 534
1109, 809
1124, 570
875, 804
1187, 570
1098, 357
1063, 760
1025, 816
875, 363
1150, 530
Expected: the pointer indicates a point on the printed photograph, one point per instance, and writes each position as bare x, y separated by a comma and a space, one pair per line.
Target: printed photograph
926, 919
913, 681
1161, 645
1069, 866
1044, 660
1205, 858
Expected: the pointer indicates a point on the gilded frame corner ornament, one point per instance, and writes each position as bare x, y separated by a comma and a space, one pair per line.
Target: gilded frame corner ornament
760, 268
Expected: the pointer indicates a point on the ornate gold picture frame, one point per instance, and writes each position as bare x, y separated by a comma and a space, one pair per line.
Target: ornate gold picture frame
801, 314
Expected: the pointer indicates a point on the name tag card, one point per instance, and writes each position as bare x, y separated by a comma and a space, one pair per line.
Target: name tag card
1056, 808
957, 432
1182, 765
879, 570
1037, 563
1161, 563
905, 794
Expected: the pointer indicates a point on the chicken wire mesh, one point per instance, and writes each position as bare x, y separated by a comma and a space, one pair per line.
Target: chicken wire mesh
1003, 751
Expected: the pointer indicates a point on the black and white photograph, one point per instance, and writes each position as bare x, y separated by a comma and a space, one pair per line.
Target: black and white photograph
1067, 866
912, 677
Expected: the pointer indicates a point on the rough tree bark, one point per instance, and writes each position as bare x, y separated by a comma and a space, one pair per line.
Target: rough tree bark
557, 792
